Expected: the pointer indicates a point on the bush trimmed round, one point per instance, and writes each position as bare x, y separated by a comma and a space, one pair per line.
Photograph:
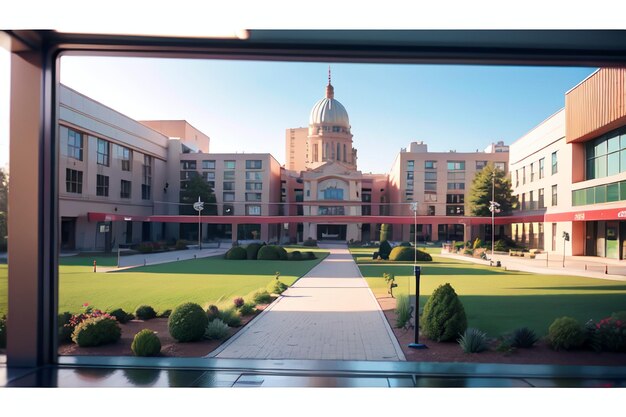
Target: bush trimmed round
97, 331
145, 312
403, 253
282, 253
566, 333
121, 316
444, 317
268, 253
146, 343
309, 255
296, 255
384, 250
187, 322
252, 250
236, 253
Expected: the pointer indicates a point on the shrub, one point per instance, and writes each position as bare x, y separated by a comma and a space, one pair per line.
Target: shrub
180, 245
236, 253
384, 250
252, 249
500, 246
238, 302
403, 310
247, 309
309, 242
406, 254
165, 314
473, 341
268, 253
97, 331
3, 332
282, 253
620, 315
309, 256
65, 327
444, 316
145, 312
146, 343
188, 322
523, 338
477, 243
405, 244
468, 251
262, 297
231, 317
212, 312
121, 316
296, 255
277, 287
610, 335
145, 247
566, 333
216, 330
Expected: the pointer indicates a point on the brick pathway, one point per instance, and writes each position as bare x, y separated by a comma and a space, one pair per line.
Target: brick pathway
330, 313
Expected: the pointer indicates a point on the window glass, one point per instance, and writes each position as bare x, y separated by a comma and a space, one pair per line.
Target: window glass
74, 144
208, 164
430, 164
187, 164
102, 152
612, 192
252, 164
430, 176
228, 186
229, 164
73, 181
229, 175
600, 194
612, 164
590, 195
102, 185
430, 186
125, 189
613, 144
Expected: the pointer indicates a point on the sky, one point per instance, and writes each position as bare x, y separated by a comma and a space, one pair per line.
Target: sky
246, 106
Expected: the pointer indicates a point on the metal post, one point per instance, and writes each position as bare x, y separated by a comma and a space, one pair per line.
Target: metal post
417, 344
493, 199
564, 252
199, 206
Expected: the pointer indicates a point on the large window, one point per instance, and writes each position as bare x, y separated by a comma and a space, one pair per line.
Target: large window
254, 164
102, 152
254, 186
74, 144
455, 198
253, 196
430, 176
125, 155
228, 196
73, 181
102, 185
430, 186
555, 195
229, 164
542, 163
331, 193
125, 189
229, 175
331, 211
606, 155
555, 166
254, 176
208, 164
410, 165
541, 203
188, 165
228, 186
253, 210
605, 193
480, 165
430, 164
146, 185
456, 165
456, 186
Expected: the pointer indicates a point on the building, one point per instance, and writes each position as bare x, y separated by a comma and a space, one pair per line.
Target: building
570, 173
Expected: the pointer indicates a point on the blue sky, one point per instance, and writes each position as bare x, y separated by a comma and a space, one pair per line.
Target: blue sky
246, 106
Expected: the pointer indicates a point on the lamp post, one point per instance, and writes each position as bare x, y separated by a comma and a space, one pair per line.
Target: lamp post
565, 239
493, 208
199, 206
417, 272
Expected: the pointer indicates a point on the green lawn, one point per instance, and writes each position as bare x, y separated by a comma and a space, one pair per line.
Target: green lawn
498, 301
203, 281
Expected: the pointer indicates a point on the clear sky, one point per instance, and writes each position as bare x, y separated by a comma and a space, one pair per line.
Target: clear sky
246, 106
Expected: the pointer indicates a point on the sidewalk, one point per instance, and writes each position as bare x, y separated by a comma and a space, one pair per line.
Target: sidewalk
330, 313
583, 266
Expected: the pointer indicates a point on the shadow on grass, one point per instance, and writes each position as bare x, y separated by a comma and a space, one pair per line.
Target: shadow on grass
428, 269
580, 288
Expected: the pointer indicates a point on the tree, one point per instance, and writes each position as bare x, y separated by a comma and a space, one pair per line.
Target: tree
197, 187
384, 232
4, 199
480, 193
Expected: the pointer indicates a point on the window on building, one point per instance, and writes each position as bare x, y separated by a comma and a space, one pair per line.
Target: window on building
209, 175
74, 144
408, 195
531, 201
253, 210
229, 164
366, 210
430, 196
254, 176
102, 185
344, 153
73, 181
455, 198
541, 203
430, 176
456, 176
254, 186
146, 186
253, 164
542, 162
554, 195
517, 177
331, 193
125, 189
555, 166
606, 155
430, 186
409, 175
456, 186
188, 165
125, 156
410, 165
315, 153
187, 175
500, 165
208, 165
331, 211
228, 196
456, 165
338, 152
102, 152
228, 185
480, 165
455, 210
523, 175
253, 196
430, 164
431, 210
532, 172
524, 201
229, 175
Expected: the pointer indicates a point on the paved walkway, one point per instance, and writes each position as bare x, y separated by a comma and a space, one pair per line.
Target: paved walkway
330, 313
584, 266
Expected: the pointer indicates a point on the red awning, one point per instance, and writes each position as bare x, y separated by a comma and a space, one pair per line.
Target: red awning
588, 215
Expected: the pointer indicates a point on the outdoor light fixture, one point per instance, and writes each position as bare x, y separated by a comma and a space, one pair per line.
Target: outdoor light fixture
199, 206
565, 239
493, 208
417, 345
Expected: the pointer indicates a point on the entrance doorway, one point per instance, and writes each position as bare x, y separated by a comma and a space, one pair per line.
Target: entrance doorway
68, 233
331, 231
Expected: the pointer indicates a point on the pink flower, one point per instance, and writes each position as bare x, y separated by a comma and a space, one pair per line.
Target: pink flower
86, 304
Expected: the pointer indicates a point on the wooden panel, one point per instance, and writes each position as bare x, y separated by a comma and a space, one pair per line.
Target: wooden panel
596, 105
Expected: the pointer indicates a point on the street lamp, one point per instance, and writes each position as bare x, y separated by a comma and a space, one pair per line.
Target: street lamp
199, 206
417, 272
493, 208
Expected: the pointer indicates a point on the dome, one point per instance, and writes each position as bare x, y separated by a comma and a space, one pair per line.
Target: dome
329, 111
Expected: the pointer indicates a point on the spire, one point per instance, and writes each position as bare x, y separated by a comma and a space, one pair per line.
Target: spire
330, 91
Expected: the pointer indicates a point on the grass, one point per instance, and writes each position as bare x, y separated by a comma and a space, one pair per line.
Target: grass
203, 281
498, 301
